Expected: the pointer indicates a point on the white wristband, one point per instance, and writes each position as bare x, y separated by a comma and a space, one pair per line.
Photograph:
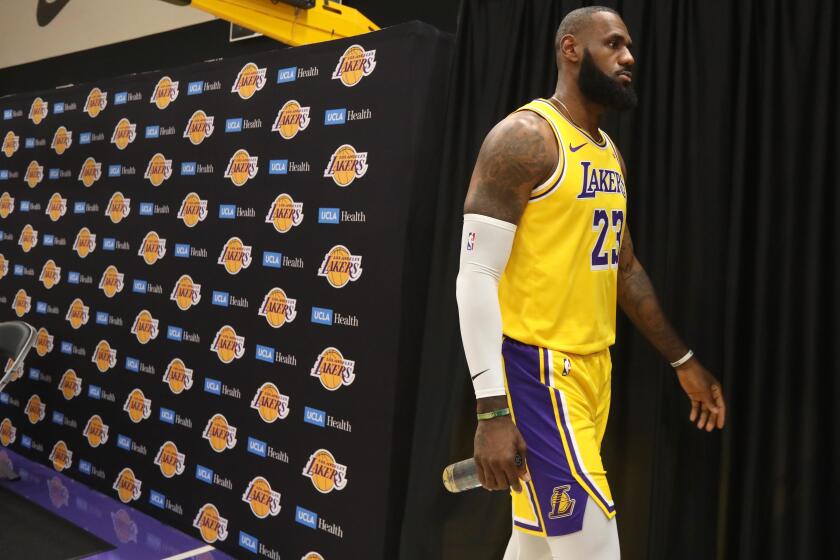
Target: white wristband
683, 360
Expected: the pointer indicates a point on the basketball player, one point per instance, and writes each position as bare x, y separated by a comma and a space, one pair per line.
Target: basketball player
545, 256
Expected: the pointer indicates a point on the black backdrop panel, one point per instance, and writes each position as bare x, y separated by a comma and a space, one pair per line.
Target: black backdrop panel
297, 238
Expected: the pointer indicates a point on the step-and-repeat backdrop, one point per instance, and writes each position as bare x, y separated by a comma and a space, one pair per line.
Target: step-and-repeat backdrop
214, 258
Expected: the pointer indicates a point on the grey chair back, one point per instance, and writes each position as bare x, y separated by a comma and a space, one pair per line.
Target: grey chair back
16, 339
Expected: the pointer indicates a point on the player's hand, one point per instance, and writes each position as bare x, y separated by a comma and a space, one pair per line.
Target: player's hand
708, 408
497, 442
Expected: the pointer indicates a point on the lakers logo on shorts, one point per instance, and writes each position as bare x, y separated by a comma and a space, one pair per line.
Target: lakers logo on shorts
85, 242
145, 327
118, 207
137, 406
235, 256
34, 174
152, 248
193, 210
96, 431
165, 92
96, 102
277, 308
7, 205
11, 143
333, 369
219, 433
346, 165
8, 433
270, 403
209, 522
62, 139
158, 170
28, 238
249, 81
128, 486
50, 274
354, 64
91, 172
186, 292
43, 342
325, 473
199, 127
241, 167
104, 357
340, 266
178, 376
39, 110
284, 213
112, 281
562, 505
4, 266
171, 461
35, 409
227, 345
56, 207
60, 456
263, 500
291, 119
78, 313
22, 303
70, 385
124, 134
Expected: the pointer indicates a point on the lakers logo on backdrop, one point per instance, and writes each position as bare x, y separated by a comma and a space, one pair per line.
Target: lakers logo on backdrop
277, 308
35, 409
128, 486
249, 81
291, 119
70, 385
104, 356
325, 472
61, 456
145, 327
112, 281
235, 256
158, 170
312, 556
91, 172
209, 522
263, 500
119, 207
270, 403
22, 303
152, 248
4, 266
50, 274
7, 205
186, 292
340, 266
56, 207
220, 433
193, 210
8, 432
228, 345
39, 110
43, 342
137, 406
124, 134
178, 376
284, 213
354, 64
96, 431
241, 167
62, 139
85, 242
333, 369
165, 92
17, 373
11, 143
346, 165
171, 461
96, 102
78, 313
28, 238
199, 127
34, 174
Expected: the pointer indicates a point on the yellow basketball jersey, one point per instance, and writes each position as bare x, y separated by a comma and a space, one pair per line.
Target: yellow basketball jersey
558, 290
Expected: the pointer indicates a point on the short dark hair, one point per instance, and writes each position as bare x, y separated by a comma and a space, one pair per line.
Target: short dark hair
576, 20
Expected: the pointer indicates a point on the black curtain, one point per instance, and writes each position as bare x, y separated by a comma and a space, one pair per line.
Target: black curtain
733, 207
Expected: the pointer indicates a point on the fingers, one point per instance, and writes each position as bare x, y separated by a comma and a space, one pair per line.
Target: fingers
704, 417
695, 409
710, 425
717, 395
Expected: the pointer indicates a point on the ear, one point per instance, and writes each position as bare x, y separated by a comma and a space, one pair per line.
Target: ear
570, 49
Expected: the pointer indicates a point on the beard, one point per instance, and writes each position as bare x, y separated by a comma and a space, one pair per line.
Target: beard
602, 89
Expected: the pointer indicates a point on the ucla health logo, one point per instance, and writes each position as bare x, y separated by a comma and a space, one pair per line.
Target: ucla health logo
228, 345
270, 403
333, 369
263, 500
158, 170
325, 472
354, 64
346, 165
241, 167
199, 127
124, 134
38, 110
220, 433
165, 92
249, 81
291, 119
284, 213
96, 102
340, 266
210, 523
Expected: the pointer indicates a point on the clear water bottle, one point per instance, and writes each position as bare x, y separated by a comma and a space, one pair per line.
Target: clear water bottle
463, 475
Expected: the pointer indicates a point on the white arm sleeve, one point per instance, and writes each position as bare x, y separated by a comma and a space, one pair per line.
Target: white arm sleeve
485, 248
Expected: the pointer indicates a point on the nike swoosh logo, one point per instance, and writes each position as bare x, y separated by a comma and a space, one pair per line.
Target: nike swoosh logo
480, 372
576, 148
47, 10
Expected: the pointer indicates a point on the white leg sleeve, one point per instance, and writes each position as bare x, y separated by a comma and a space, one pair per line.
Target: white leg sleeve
598, 540
523, 546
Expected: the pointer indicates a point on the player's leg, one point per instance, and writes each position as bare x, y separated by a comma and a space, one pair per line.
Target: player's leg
597, 540
523, 546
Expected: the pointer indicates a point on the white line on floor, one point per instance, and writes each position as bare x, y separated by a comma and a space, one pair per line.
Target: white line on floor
190, 553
